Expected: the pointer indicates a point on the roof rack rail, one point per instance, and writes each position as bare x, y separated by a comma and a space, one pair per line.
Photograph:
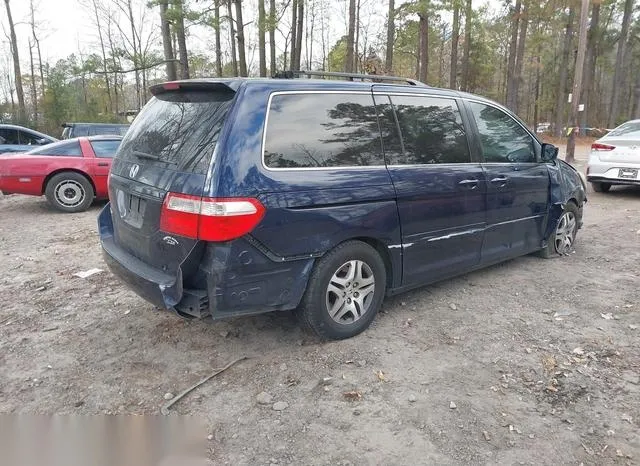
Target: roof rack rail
347, 76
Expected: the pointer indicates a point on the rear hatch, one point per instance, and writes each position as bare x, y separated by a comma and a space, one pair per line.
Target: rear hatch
169, 148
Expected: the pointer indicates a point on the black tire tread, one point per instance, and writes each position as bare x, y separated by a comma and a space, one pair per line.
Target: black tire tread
305, 311
549, 252
70, 175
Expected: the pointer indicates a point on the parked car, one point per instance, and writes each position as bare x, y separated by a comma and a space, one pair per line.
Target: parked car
615, 158
20, 139
235, 197
70, 173
74, 130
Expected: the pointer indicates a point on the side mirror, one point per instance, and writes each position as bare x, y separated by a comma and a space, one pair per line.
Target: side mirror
549, 152
2, 140
42, 141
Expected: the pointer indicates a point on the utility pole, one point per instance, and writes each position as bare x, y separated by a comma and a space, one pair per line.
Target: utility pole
577, 81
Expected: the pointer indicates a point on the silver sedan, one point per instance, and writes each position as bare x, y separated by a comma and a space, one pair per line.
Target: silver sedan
615, 158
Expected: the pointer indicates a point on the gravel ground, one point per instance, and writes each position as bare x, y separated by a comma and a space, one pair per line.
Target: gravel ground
529, 362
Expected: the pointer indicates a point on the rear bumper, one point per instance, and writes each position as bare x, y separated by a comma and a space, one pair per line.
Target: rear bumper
160, 289
232, 279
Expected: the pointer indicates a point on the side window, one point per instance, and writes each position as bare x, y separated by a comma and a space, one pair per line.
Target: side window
389, 129
322, 130
28, 139
432, 131
105, 149
9, 136
65, 149
502, 138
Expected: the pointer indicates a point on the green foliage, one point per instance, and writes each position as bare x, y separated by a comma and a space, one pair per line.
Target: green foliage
337, 55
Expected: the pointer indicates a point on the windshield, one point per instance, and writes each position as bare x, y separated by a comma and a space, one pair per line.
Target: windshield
179, 128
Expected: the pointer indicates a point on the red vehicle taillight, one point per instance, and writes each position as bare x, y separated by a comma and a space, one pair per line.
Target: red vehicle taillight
600, 146
210, 219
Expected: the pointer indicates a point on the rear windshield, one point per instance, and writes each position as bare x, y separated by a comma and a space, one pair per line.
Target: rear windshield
630, 129
179, 128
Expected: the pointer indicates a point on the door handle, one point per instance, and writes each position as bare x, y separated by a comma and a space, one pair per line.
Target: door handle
500, 179
103, 164
469, 184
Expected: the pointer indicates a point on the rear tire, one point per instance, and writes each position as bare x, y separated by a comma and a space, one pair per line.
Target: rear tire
345, 291
600, 187
561, 241
69, 192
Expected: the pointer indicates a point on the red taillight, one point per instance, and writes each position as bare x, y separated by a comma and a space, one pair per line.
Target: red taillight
210, 219
171, 86
600, 146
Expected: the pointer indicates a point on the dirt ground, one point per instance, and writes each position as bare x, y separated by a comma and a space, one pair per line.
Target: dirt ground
529, 362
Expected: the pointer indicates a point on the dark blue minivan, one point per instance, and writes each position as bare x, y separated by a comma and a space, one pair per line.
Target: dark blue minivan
233, 197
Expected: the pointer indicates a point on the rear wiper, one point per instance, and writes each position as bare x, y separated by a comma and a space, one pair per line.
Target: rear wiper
145, 155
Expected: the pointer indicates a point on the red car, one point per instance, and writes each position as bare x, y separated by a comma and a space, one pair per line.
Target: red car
71, 173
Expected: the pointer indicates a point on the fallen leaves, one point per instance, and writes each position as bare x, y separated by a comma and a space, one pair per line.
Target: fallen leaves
549, 363
353, 395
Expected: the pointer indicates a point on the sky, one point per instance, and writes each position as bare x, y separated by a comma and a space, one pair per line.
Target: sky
66, 26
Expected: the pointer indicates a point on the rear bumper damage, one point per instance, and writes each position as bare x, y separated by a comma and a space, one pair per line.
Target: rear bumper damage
160, 289
231, 279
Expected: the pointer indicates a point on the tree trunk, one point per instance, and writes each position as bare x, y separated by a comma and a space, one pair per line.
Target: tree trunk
299, 27
618, 78
636, 111
262, 48
115, 65
348, 63
294, 29
561, 88
16, 65
241, 50
166, 41
356, 42
182, 40
424, 47
590, 66
272, 35
511, 64
218, 45
517, 76
232, 33
102, 49
455, 37
466, 66
135, 57
536, 102
577, 79
34, 92
391, 32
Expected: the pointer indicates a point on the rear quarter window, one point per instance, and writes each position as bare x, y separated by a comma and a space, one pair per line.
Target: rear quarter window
62, 148
322, 130
105, 149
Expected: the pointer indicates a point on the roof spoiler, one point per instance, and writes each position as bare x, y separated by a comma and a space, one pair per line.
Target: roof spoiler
191, 86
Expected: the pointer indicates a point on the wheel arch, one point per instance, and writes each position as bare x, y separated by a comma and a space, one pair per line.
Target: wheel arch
384, 252
63, 170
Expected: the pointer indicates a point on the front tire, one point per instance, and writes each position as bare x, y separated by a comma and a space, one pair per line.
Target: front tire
345, 291
69, 192
600, 187
561, 241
